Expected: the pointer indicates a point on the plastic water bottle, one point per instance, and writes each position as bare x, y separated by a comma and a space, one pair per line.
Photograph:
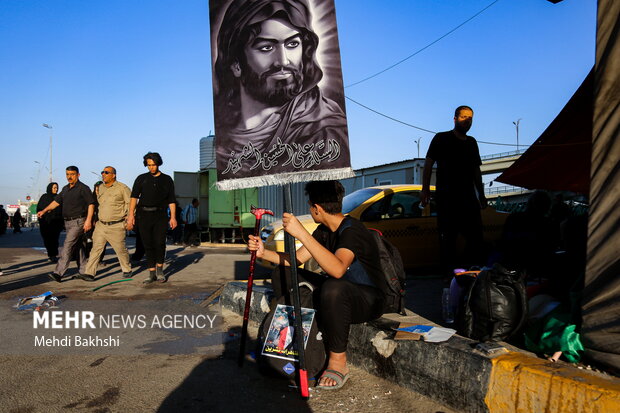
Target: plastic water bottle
448, 315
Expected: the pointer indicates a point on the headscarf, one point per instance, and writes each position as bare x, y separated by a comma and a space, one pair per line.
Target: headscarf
49, 188
47, 199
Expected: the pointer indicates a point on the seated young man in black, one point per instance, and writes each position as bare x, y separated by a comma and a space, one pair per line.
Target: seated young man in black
346, 252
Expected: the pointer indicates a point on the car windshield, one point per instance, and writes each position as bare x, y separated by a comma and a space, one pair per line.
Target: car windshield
355, 199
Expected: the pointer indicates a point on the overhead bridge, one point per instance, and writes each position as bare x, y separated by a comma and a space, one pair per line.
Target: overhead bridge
499, 162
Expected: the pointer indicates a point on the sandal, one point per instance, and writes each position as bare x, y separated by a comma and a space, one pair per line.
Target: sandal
336, 376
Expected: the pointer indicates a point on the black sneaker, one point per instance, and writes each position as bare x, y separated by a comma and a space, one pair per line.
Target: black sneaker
85, 277
127, 274
55, 277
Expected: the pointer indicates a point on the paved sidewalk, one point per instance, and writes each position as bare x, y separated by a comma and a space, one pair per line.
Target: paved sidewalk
149, 379
453, 372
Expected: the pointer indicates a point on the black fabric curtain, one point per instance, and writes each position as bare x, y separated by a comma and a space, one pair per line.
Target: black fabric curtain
601, 295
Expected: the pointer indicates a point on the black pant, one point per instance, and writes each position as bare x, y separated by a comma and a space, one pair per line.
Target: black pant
339, 303
466, 221
50, 232
190, 232
153, 227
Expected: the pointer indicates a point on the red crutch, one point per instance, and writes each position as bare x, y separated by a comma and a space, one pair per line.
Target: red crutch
258, 213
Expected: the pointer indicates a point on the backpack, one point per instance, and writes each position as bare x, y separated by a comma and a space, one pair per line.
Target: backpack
393, 283
276, 342
493, 305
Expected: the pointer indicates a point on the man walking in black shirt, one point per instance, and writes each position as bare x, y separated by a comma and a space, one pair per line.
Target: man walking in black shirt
78, 206
155, 191
460, 193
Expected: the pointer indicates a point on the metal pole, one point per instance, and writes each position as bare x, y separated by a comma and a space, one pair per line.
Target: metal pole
289, 243
45, 125
517, 126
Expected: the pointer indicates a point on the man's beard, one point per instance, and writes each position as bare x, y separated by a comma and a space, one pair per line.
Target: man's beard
272, 92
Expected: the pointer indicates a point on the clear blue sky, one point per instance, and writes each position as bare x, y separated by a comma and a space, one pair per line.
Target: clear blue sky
116, 79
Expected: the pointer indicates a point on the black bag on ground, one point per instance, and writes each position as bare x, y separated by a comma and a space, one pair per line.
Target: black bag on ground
493, 305
276, 343
393, 284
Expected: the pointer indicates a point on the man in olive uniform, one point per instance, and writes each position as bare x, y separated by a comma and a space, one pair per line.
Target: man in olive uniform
114, 199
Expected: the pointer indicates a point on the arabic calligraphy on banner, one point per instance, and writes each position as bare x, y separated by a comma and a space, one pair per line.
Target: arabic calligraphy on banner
284, 154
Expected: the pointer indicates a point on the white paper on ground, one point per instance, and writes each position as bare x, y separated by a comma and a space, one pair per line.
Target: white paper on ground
430, 333
438, 334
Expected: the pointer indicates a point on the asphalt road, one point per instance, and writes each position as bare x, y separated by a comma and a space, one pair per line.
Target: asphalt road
156, 370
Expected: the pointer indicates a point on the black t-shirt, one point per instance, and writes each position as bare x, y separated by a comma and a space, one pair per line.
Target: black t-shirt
75, 201
354, 236
154, 191
457, 161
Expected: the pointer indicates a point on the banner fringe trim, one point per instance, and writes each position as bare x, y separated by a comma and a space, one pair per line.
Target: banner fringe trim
285, 178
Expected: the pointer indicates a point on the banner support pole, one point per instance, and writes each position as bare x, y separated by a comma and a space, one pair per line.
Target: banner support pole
294, 290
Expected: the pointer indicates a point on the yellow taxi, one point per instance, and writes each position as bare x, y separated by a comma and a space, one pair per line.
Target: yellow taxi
395, 211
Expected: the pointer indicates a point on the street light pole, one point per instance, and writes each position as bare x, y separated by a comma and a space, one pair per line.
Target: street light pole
417, 141
45, 125
517, 126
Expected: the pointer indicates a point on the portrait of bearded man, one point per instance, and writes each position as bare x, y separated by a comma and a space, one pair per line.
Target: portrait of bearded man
271, 115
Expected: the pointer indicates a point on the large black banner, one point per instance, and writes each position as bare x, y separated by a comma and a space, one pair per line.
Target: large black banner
278, 93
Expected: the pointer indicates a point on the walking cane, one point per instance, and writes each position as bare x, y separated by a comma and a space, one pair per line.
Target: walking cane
299, 331
258, 213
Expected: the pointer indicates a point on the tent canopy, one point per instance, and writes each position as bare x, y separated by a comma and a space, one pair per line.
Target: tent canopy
559, 160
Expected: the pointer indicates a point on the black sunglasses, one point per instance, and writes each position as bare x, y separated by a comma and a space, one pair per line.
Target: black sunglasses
105, 172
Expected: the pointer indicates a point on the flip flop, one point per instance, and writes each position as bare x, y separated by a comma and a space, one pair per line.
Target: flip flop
336, 376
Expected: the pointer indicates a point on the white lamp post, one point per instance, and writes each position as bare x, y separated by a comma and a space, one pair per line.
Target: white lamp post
517, 126
45, 125
417, 141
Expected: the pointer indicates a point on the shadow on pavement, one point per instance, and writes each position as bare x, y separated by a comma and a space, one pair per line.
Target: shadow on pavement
16, 284
220, 385
27, 266
178, 262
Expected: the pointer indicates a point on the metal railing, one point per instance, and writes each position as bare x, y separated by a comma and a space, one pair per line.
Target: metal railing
502, 155
505, 189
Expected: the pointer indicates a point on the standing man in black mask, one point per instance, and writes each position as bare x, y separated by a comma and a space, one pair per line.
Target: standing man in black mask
151, 196
460, 194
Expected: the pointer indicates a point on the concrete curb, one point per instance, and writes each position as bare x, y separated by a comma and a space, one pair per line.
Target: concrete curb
457, 375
